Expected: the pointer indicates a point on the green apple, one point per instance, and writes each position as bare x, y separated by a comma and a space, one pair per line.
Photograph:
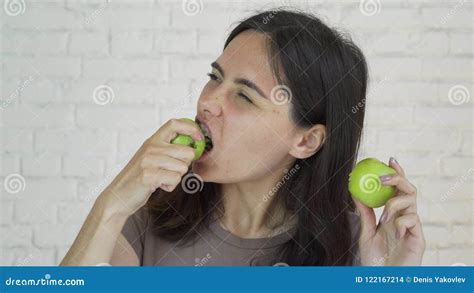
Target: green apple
365, 184
184, 139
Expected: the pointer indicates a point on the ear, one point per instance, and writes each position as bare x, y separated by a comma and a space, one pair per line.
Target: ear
308, 141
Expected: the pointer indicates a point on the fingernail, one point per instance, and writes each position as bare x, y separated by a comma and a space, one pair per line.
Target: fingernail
385, 178
198, 137
394, 160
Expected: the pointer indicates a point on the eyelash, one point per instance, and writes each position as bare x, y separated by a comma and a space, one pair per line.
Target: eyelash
212, 76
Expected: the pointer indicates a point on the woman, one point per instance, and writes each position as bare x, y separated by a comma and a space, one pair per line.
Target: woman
277, 108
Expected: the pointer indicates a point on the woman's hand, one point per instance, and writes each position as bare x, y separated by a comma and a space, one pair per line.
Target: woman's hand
398, 239
156, 164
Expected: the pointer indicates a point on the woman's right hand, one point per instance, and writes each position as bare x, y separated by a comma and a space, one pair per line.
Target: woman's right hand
156, 164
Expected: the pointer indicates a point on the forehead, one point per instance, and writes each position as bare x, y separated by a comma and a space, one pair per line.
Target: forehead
246, 56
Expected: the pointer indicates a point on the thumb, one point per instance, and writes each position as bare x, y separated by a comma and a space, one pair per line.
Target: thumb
367, 220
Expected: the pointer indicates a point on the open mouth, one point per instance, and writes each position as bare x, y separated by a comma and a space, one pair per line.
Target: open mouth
207, 136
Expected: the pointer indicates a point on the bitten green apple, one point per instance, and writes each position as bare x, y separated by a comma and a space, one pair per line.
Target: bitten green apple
184, 139
365, 185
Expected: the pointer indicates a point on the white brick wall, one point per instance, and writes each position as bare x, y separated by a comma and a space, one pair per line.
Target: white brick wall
154, 58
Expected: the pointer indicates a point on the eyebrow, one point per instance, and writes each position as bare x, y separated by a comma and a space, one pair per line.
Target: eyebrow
243, 81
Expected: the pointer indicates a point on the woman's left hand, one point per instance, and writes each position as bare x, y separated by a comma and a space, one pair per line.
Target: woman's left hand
398, 239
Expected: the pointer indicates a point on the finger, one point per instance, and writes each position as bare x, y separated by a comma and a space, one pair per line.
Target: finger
173, 127
401, 183
180, 152
408, 222
367, 220
161, 178
404, 204
165, 162
395, 165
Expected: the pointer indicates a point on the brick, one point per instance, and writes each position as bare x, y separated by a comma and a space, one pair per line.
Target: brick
48, 236
90, 43
447, 69
131, 43
454, 17
461, 43
6, 212
436, 236
423, 139
454, 211
452, 256
388, 115
54, 189
40, 91
124, 69
189, 68
466, 145
74, 211
396, 92
41, 165
430, 257
113, 117
444, 116
455, 94
17, 141
83, 167
44, 66
385, 18
80, 142
82, 91
416, 164
10, 90
35, 211
458, 166
134, 19
46, 18
34, 116
395, 67
411, 43
10, 164
14, 236
33, 256
442, 189
176, 42
132, 141
208, 18
28, 43
461, 235
206, 43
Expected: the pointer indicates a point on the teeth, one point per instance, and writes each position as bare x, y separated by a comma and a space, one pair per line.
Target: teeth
207, 137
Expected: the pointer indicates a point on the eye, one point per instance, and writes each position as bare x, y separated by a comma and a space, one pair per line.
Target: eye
245, 97
212, 76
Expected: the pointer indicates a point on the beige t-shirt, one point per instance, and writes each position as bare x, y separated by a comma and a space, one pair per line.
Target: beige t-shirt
214, 246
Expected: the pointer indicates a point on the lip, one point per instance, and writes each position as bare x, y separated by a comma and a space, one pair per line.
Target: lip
208, 129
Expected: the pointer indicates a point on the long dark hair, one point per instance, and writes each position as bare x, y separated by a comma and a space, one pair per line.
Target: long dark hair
327, 75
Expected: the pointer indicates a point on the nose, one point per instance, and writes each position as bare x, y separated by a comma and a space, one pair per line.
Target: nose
210, 104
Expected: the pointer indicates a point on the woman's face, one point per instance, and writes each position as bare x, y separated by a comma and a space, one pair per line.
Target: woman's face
251, 133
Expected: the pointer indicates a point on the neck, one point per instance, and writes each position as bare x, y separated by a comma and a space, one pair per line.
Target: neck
252, 209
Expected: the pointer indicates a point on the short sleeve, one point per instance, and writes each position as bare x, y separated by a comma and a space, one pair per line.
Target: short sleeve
134, 231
